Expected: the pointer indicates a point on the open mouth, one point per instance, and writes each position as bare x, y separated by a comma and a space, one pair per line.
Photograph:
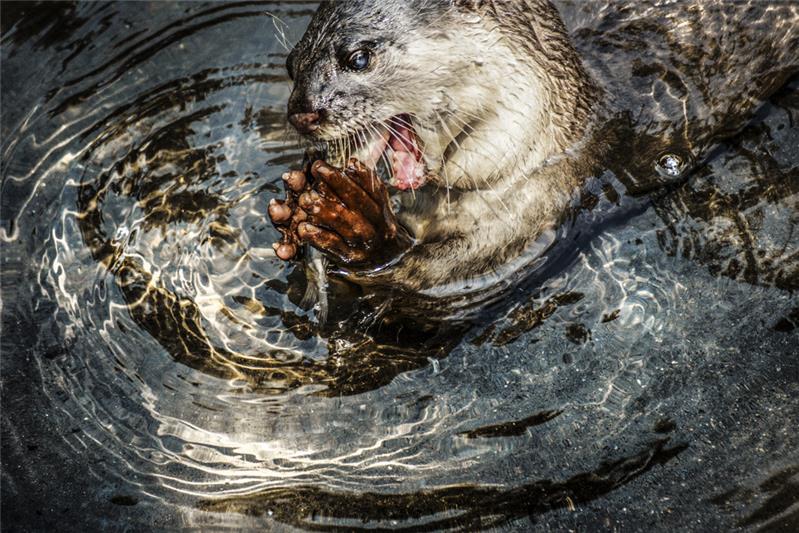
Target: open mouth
395, 152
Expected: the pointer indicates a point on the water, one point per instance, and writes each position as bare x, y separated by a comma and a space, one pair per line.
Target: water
160, 369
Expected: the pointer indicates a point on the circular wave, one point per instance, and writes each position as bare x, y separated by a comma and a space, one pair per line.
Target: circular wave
183, 352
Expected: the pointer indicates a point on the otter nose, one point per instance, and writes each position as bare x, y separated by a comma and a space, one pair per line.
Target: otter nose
305, 122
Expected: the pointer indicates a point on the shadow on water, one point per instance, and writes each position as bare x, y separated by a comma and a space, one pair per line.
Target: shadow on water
457, 507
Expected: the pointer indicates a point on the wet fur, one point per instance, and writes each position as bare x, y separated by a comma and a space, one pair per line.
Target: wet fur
497, 94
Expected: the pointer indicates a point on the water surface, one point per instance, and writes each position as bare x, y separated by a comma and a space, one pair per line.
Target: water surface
160, 368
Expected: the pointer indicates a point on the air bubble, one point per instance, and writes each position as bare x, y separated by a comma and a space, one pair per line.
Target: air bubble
672, 165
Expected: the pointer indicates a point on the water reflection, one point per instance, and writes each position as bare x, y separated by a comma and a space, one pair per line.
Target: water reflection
157, 357
738, 214
457, 507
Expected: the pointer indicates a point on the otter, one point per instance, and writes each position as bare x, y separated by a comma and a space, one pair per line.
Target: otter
487, 120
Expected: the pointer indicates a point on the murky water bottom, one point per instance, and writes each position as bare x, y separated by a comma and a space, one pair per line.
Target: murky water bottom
159, 368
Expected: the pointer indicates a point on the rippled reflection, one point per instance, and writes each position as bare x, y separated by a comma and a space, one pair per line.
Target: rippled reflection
462, 507
161, 362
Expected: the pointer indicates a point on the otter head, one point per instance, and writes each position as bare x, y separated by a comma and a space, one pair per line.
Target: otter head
431, 90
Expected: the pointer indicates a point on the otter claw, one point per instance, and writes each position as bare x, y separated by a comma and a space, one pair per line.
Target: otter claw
305, 230
279, 211
284, 251
295, 180
307, 199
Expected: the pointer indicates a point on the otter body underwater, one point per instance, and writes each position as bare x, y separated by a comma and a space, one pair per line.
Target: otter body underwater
490, 116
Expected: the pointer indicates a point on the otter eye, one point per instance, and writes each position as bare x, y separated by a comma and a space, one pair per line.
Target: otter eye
358, 60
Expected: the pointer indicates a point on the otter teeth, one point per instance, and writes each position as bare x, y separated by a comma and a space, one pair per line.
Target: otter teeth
398, 146
409, 173
407, 162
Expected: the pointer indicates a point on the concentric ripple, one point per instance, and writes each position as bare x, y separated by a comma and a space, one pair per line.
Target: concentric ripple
143, 302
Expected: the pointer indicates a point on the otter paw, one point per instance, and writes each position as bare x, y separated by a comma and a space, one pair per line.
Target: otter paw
286, 215
345, 213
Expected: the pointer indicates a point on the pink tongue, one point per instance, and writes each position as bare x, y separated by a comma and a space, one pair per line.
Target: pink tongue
406, 159
408, 172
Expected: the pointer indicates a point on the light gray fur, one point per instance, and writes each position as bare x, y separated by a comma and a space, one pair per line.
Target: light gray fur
498, 95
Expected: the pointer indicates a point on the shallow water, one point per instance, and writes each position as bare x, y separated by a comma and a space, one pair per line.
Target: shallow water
159, 368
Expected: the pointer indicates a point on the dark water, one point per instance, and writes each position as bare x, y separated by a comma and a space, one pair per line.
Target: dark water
159, 369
